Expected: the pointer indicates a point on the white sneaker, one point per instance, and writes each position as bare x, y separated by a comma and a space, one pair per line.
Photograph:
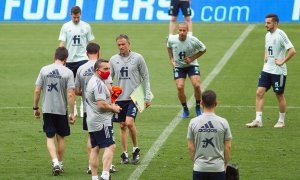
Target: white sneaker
279, 124
254, 124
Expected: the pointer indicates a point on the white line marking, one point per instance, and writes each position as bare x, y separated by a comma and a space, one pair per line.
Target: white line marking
168, 130
158, 106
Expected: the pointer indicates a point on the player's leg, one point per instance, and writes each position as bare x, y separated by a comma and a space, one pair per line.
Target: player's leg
187, 12
195, 80
194, 75
278, 88
62, 127
49, 129
88, 143
264, 83
123, 136
180, 82
60, 147
109, 146
94, 156
172, 24
173, 12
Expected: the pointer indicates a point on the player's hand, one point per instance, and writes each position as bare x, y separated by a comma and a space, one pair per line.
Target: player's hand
187, 60
37, 114
147, 103
116, 108
279, 62
72, 118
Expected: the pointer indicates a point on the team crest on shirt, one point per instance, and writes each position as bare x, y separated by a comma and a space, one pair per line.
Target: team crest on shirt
132, 61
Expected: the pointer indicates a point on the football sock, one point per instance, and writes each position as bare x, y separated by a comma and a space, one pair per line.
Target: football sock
281, 117
60, 164
125, 152
55, 162
94, 177
198, 103
105, 175
258, 116
134, 148
184, 105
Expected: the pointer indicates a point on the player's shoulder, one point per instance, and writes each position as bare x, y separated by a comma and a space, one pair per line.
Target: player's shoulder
114, 58
173, 38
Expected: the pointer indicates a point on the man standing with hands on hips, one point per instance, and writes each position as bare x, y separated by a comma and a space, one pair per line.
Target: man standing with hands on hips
274, 72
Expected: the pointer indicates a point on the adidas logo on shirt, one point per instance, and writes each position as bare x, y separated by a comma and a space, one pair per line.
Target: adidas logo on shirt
54, 74
89, 72
208, 127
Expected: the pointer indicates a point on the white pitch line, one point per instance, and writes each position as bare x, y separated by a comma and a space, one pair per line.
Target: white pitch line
169, 129
158, 106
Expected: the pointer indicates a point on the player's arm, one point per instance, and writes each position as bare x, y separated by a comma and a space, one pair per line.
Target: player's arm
290, 54
191, 148
195, 56
37, 94
227, 149
170, 52
104, 106
266, 57
78, 91
71, 100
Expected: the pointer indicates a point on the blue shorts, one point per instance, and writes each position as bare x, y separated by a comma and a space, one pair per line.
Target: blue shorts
175, 5
56, 124
73, 66
128, 109
103, 138
84, 124
209, 175
183, 72
276, 81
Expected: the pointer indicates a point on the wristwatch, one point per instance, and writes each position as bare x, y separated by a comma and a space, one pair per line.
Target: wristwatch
35, 108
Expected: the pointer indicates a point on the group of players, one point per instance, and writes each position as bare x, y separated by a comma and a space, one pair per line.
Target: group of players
91, 77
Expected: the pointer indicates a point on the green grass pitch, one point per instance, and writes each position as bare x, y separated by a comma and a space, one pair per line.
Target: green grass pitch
265, 153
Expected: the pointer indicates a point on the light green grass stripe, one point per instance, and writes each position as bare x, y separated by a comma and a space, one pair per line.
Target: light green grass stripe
169, 129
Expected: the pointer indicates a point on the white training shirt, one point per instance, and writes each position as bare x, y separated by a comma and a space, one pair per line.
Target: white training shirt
182, 49
277, 43
76, 38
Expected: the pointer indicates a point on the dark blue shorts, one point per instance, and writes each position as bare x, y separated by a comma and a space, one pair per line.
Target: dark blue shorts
175, 5
84, 124
276, 81
183, 72
209, 175
128, 109
75, 65
103, 138
56, 124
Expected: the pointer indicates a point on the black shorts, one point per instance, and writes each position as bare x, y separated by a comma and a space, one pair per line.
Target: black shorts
185, 7
276, 81
84, 124
209, 175
56, 124
128, 109
103, 138
73, 66
183, 72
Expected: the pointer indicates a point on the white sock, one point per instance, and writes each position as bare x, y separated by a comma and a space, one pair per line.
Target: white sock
258, 116
105, 175
60, 164
125, 152
190, 33
134, 148
55, 162
281, 117
94, 177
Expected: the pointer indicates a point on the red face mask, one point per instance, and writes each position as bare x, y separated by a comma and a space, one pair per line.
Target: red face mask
104, 75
